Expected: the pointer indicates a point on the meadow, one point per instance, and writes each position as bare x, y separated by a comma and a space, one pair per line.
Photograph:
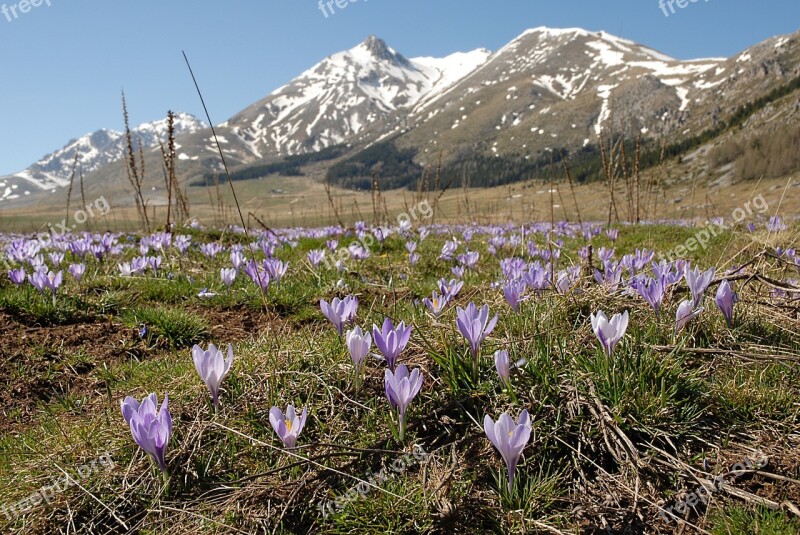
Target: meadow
631, 394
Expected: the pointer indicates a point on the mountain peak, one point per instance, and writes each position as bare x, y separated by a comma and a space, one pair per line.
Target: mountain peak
378, 47
379, 50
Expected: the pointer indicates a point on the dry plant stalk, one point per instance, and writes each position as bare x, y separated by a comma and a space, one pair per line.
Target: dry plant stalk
134, 172
571, 188
174, 193
71, 179
331, 202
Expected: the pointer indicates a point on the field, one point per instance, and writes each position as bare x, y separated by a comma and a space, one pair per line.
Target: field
689, 425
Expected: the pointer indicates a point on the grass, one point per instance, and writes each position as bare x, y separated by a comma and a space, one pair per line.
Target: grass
613, 438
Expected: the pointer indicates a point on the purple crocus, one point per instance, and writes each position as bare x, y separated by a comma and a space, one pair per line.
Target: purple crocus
339, 311
316, 257
449, 289
652, 291
609, 332
150, 428
725, 300
509, 439
358, 343
125, 269
475, 325
391, 340
686, 313
698, 282
17, 276
435, 304
51, 281
77, 271
288, 426
503, 365
258, 275
401, 388
228, 275
513, 292
212, 367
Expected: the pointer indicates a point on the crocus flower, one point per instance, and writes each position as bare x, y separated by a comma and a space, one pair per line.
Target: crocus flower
686, 313
725, 300
475, 325
316, 257
435, 304
56, 258
509, 439
339, 311
287, 427
502, 364
77, 271
154, 263
391, 340
698, 282
609, 332
150, 428
125, 269
358, 343
276, 268
212, 367
17, 276
449, 289
513, 291
258, 275
228, 275
53, 281
401, 388
652, 291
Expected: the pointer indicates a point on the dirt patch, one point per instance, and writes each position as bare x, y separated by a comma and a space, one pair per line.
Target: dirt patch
230, 325
41, 363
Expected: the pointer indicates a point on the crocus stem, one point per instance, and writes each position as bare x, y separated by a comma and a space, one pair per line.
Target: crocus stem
357, 378
402, 432
165, 478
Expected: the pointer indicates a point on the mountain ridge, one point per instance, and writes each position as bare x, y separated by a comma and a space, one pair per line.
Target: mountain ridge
548, 90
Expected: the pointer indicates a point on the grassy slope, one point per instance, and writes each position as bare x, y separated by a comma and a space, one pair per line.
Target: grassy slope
678, 408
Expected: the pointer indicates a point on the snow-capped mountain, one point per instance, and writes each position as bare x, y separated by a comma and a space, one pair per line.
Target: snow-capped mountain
552, 89
94, 150
347, 92
546, 90
561, 88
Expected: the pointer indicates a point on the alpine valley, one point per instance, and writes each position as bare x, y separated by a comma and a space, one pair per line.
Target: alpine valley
480, 117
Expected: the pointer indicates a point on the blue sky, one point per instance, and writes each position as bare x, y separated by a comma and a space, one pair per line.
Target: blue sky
64, 65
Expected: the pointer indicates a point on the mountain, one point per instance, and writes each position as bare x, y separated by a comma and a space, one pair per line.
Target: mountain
95, 150
553, 92
335, 100
492, 118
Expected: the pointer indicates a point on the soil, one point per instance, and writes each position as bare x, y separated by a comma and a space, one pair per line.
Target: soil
42, 363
